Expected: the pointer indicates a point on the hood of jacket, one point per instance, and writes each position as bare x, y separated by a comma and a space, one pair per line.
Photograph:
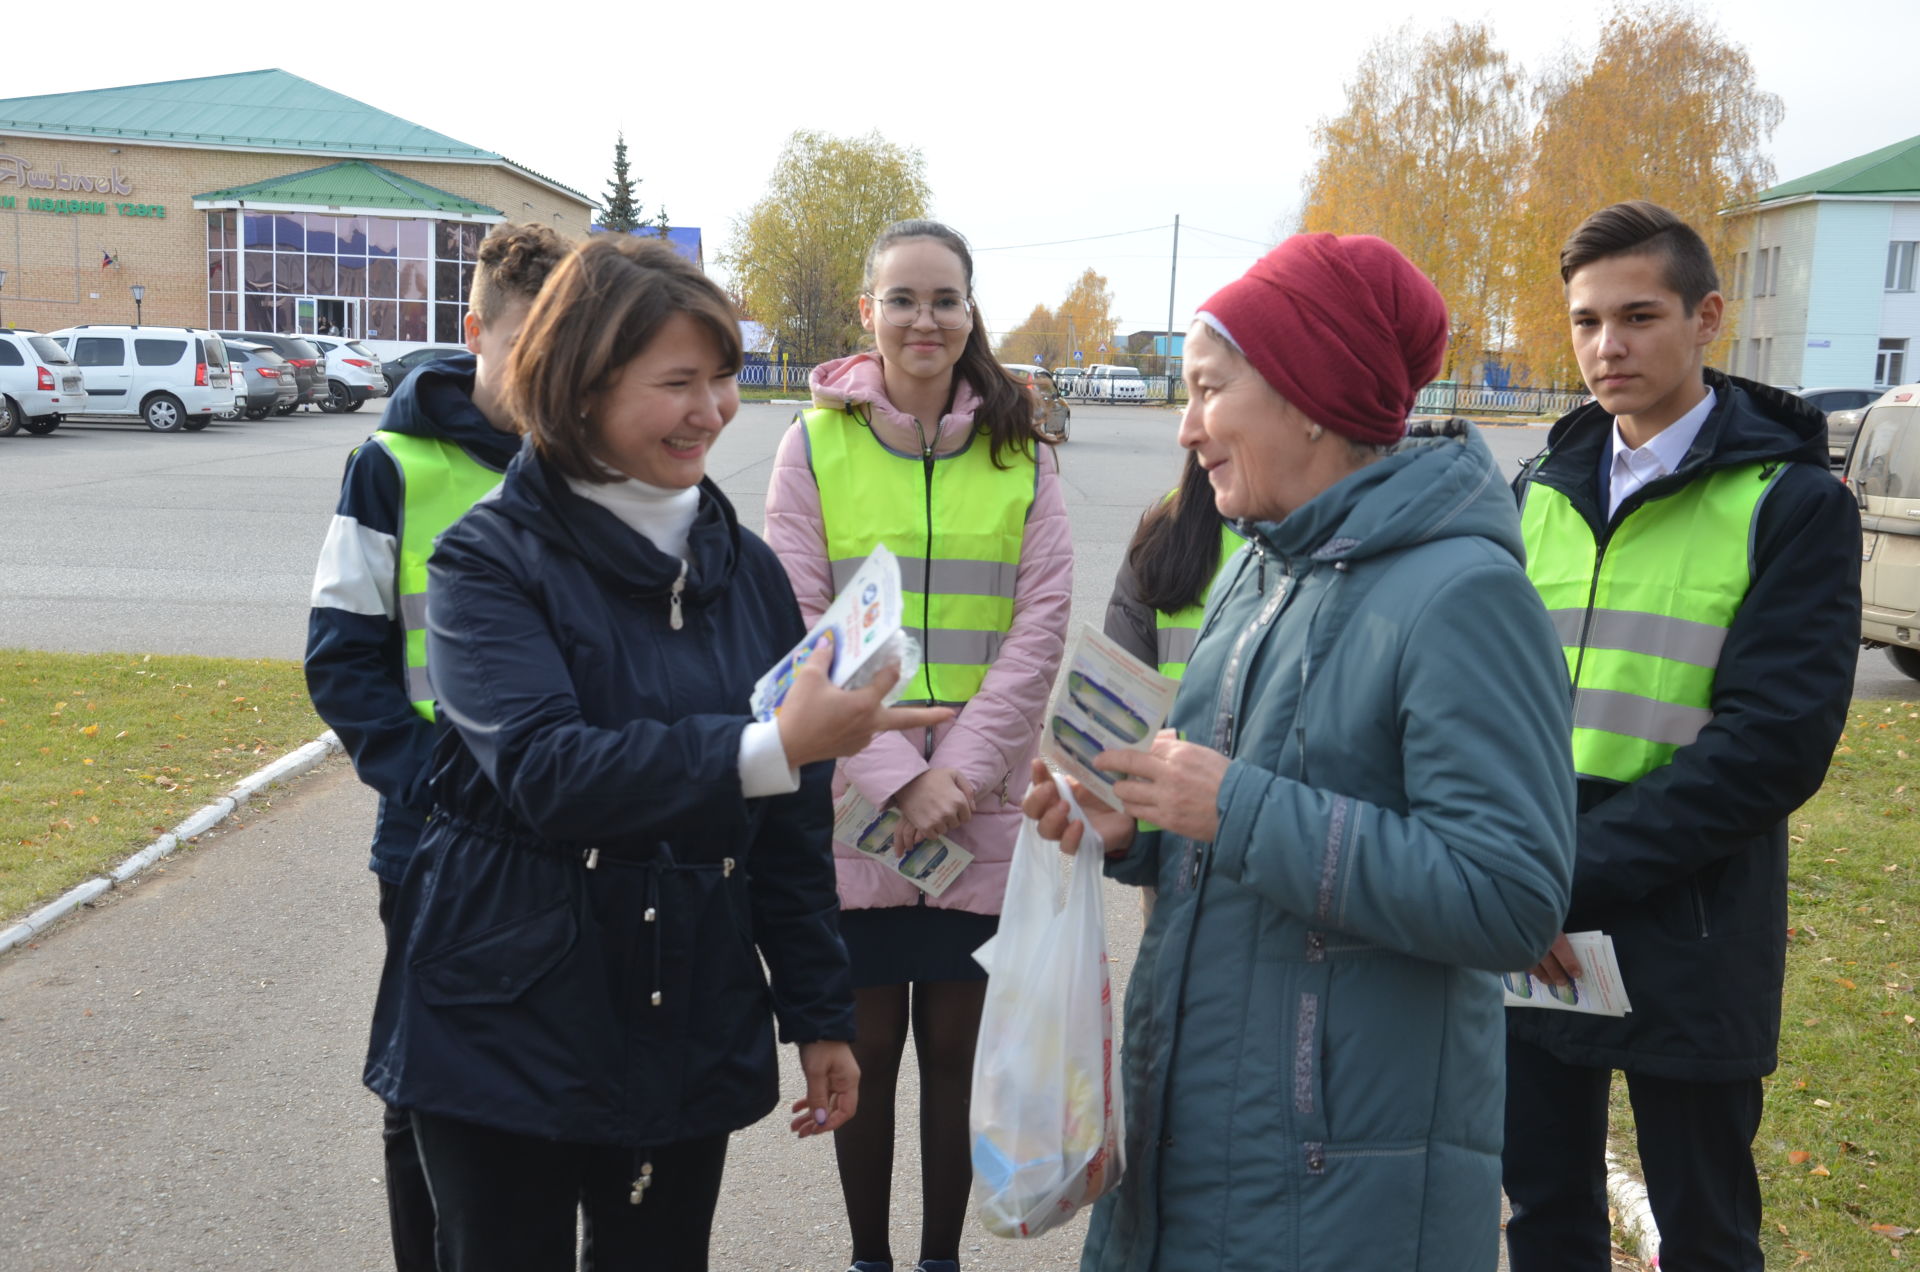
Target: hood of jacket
1750, 423
857, 384
536, 499
437, 401
1426, 488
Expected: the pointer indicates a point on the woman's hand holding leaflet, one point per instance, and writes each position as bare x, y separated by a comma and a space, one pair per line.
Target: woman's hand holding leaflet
931, 804
1175, 785
1044, 805
820, 721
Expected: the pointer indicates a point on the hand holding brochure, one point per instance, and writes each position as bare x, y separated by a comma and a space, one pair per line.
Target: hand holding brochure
1105, 700
932, 865
860, 633
1597, 990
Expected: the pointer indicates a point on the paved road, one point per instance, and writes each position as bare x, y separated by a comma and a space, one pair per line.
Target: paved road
179, 1069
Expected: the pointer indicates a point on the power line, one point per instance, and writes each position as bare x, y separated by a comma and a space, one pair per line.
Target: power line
1014, 247
1236, 237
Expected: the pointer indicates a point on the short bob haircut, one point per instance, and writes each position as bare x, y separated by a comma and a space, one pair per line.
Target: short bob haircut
1640, 228
599, 311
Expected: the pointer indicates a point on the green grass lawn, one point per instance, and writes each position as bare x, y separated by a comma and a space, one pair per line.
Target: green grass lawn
1839, 1144
102, 753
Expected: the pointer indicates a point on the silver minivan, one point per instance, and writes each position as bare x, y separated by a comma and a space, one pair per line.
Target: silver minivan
1883, 471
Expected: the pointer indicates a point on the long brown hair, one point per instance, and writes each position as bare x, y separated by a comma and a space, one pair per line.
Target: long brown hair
599, 311
1176, 551
1006, 405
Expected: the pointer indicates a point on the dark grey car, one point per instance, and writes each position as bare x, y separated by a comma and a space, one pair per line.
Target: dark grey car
309, 364
270, 380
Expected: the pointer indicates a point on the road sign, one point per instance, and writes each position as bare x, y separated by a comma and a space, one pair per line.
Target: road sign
1037, 361
1076, 355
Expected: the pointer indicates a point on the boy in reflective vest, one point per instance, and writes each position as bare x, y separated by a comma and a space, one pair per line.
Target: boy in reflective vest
444, 442
1702, 568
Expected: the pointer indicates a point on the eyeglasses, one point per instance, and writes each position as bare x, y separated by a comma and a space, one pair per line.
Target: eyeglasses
949, 312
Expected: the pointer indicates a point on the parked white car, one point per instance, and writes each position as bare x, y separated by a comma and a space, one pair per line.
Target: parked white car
1105, 383
171, 378
353, 373
38, 384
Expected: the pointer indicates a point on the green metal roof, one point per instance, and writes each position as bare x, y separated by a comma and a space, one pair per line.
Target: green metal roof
353, 183
266, 110
1890, 170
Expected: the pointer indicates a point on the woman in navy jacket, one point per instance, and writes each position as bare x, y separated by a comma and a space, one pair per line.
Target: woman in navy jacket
581, 1017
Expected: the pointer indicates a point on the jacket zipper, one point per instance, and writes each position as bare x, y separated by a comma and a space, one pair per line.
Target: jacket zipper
1699, 907
926, 585
674, 617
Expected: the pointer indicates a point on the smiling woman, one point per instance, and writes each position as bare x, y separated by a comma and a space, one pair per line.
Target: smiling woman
618, 854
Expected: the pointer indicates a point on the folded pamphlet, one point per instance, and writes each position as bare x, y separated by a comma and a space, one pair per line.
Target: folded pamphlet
932, 864
1104, 700
1597, 991
861, 632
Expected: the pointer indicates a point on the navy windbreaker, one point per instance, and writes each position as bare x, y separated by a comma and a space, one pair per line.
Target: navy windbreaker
593, 895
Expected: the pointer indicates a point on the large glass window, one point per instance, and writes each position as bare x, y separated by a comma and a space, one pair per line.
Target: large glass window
260, 263
1900, 266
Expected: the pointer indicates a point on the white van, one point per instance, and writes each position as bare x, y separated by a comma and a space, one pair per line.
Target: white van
172, 378
1105, 383
1883, 471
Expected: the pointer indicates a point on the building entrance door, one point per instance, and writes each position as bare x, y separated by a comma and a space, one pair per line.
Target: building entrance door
328, 316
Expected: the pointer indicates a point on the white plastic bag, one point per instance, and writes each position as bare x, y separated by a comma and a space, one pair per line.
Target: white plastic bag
1047, 1118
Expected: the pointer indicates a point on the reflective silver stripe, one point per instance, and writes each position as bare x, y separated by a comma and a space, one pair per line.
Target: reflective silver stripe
1175, 644
413, 611
1678, 639
418, 690
1638, 717
961, 648
950, 577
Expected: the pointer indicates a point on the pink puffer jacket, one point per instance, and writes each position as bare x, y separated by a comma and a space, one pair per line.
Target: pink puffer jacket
992, 741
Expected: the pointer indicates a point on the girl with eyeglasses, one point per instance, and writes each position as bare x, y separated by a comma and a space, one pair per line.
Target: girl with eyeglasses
926, 444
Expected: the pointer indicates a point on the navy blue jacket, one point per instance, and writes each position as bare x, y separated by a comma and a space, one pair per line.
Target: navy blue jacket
593, 895
1687, 868
356, 646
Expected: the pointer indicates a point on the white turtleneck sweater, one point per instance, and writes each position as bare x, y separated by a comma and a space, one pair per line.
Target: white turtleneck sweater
664, 516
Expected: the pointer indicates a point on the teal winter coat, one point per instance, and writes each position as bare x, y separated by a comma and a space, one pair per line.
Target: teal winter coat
1315, 1046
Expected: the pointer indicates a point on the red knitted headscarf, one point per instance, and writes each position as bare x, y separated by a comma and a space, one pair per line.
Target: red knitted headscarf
1342, 326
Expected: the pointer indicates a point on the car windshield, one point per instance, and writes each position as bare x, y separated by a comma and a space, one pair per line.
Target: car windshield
303, 349
359, 350
1127, 373
48, 350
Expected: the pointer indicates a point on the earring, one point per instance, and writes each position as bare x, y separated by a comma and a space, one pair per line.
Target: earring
1314, 431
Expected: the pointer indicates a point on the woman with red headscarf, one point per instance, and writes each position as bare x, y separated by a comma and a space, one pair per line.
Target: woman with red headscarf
1365, 806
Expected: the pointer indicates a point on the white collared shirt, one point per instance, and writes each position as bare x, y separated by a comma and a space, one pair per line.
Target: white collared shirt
1629, 469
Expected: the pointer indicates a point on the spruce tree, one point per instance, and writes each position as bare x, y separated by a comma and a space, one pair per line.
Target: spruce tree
620, 214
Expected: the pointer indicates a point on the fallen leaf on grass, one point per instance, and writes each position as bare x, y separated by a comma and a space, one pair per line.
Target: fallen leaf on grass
1845, 983
1797, 1156
1891, 1230
1820, 1170
1823, 1104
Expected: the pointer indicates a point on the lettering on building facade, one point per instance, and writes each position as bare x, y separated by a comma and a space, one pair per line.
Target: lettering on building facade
18, 172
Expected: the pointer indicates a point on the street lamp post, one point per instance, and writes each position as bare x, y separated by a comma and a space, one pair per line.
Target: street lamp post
3, 286
139, 295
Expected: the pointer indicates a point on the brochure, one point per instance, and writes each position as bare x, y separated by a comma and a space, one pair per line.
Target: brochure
860, 632
1104, 700
1597, 990
930, 866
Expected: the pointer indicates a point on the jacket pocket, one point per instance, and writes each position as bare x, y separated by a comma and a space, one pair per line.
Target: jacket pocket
498, 964
1376, 1188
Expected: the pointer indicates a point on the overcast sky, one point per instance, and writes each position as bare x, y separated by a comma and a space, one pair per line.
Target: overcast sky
1036, 128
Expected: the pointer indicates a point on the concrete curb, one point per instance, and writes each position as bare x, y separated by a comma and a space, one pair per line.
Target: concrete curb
293, 764
1633, 1216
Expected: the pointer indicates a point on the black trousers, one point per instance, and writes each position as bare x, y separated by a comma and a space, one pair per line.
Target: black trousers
507, 1202
1696, 1150
409, 1204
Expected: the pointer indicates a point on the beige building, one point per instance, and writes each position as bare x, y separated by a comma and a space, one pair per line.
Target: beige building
258, 201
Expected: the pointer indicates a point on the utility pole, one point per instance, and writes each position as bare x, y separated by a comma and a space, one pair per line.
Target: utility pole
1172, 275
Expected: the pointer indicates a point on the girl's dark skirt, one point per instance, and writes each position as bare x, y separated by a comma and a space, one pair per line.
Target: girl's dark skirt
900, 944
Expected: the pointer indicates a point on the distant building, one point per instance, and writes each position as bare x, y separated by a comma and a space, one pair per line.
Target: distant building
260, 201
1822, 282
685, 240
1155, 344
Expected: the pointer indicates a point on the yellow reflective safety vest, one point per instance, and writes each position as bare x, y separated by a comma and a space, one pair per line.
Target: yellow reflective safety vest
955, 521
439, 481
1643, 614
1175, 633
